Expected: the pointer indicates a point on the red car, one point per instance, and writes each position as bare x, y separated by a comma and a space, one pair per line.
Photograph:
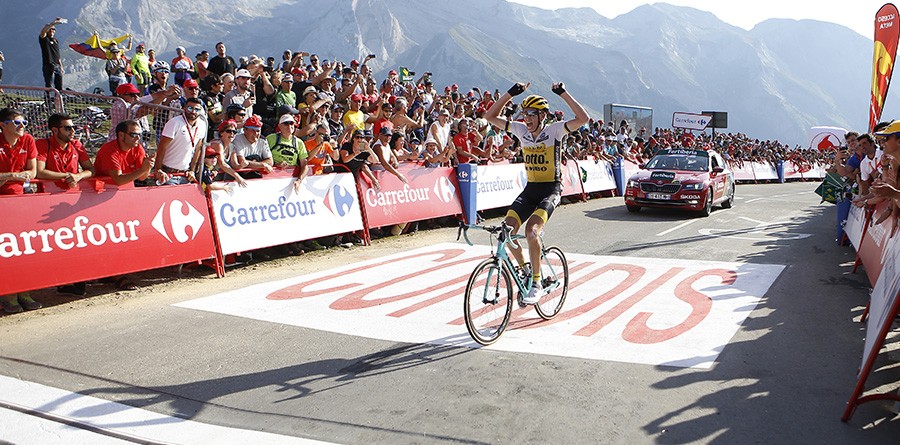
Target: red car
681, 178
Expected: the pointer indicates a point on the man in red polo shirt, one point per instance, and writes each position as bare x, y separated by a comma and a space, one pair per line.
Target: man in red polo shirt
17, 166
466, 143
124, 159
60, 156
17, 153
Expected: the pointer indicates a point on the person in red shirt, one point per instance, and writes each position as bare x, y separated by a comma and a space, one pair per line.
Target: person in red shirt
466, 143
17, 166
17, 153
60, 156
124, 159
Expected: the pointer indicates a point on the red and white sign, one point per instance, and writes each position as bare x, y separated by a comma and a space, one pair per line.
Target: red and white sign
571, 179
431, 193
268, 212
856, 220
744, 172
640, 310
52, 239
596, 175
764, 171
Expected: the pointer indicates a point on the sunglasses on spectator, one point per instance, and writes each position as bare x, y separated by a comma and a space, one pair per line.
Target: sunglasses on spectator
17, 122
242, 114
193, 88
359, 137
289, 124
229, 131
135, 134
195, 109
67, 127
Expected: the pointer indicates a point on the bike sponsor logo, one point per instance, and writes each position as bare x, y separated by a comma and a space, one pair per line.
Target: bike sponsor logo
180, 216
640, 310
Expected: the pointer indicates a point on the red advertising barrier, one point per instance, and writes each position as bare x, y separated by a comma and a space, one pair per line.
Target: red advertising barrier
52, 239
571, 179
431, 193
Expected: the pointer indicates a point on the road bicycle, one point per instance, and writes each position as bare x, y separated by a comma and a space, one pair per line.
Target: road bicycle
488, 302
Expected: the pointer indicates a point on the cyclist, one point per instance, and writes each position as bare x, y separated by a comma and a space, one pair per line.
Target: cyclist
541, 147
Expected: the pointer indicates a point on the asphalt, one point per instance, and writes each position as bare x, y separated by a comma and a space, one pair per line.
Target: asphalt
784, 377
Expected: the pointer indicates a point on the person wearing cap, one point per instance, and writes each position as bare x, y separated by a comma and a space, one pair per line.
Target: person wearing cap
115, 67
252, 151
335, 125
50, 58
221, 63
439, 131
308, 104
223, 145
178, 151
543, 168
287, 149
127, 108
242, 93
182, 65
351, 83
140, 67
211, 95
433, 156
887, 186
285, 95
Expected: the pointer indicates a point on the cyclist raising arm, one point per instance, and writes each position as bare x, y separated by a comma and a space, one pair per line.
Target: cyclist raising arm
541, 147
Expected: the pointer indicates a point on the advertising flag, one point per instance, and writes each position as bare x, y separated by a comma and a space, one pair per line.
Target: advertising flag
887, 32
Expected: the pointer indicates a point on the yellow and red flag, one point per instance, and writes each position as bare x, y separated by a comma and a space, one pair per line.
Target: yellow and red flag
887, 32
94, 46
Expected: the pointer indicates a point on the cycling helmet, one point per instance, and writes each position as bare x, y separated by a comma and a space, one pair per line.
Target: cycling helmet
536, 102
160, 65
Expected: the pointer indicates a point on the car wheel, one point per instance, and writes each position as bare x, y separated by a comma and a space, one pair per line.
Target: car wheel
707, 209
633, 209
729, 203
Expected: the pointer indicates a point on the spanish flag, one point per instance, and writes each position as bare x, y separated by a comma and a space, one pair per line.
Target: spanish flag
96, 47
887, 32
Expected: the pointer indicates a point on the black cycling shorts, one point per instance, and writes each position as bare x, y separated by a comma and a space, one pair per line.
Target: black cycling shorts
538, 198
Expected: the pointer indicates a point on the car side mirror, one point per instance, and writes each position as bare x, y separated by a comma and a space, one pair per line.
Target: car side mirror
718, 169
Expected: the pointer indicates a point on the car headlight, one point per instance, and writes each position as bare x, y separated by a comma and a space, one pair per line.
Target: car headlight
694, 186
632, 183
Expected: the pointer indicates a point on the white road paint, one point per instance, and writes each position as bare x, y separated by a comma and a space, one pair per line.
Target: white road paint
684, 224
121, 423
764, 231
641, 310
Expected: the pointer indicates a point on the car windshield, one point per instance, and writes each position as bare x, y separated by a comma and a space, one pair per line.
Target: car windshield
678, 162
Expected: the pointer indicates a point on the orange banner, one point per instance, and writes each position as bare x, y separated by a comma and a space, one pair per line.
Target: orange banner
887, 32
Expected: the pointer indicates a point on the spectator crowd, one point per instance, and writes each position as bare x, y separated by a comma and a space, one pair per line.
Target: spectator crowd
219, 119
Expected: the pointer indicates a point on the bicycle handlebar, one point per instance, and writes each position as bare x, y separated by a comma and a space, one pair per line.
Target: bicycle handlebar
464, 230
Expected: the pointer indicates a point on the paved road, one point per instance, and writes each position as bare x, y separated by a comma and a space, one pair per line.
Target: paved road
783, 377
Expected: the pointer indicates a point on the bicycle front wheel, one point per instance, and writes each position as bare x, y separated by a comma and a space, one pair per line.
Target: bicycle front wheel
555, 279
488, 301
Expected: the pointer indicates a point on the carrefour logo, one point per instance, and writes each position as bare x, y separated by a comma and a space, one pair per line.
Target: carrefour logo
339, 201
522, 179
180, 216
444, 189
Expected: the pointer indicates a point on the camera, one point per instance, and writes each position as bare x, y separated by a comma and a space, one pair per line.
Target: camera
428, 73
412, 73
371, 56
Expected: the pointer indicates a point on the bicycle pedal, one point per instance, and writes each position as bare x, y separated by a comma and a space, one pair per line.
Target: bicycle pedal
519, 300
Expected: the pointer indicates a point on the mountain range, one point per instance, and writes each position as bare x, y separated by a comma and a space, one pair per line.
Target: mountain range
775, 81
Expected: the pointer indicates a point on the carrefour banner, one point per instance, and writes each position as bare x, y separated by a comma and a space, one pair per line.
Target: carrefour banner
52, 239
887, 32
500, 184
596, 175
269, 212
428, 193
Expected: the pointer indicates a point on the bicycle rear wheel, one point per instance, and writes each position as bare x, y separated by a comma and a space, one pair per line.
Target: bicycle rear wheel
555, 279
488, 301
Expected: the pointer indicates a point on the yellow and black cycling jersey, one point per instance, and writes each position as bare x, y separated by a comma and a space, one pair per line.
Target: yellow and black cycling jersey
542, 153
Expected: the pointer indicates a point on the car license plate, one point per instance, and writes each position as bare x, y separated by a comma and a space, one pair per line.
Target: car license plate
659, 196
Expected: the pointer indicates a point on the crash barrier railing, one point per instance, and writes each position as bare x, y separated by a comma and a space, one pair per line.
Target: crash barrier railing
92, 114
35, 103
60, 236
878, 250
